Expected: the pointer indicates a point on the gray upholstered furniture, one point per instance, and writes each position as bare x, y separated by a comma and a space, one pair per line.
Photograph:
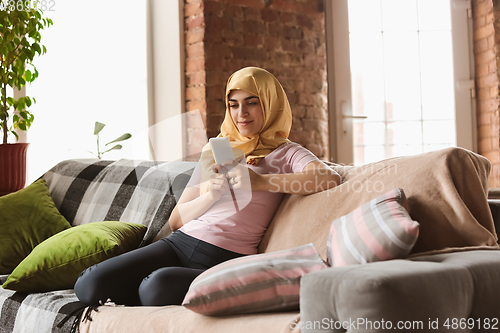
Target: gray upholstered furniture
452, 292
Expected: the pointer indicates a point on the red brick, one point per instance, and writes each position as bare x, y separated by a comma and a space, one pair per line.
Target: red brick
308, 99
195, 50
216, 92
195, 64
196, 22
299, 111
269, 16
250, 13
238, 26
191, 9
214, 63
288, 18
485, 145
484, 32
491, 41
289, 45
218, 106
485, 57
254, 27
195, 78
199, 104
307, 47
214, 50
315, 112
213, 8
233, 11
481, 45
492, 156
312, 8
292, 33
194, 36
232, 38
252, 40
482, 8
215, 23
275, 30
217, 77
487, 105
304, 21
249, 3
488, 81
479, 22
287, 6
272, 43
193, 93
197, 137
300, 136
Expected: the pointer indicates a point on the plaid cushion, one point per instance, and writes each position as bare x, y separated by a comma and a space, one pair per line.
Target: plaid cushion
89, 191
141, 192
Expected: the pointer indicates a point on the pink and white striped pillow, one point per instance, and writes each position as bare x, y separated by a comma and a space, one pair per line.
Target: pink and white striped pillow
257, 283
377, 230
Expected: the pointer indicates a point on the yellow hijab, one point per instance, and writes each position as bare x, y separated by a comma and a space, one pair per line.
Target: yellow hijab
274, 131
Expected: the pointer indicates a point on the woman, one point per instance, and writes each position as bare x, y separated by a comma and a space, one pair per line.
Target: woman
209, 223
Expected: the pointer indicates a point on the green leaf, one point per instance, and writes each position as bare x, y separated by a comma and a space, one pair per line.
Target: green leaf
124, 137
98, 127
27, 75
117, 147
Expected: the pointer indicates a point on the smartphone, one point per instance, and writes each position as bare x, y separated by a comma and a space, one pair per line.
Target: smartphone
221, 149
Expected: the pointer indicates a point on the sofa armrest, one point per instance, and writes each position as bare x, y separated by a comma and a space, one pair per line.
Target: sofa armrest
363, 298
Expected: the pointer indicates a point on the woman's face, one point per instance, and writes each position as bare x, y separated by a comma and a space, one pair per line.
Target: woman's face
246, 112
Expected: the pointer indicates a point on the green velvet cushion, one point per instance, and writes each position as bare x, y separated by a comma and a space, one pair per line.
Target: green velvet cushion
27, 218
58, 261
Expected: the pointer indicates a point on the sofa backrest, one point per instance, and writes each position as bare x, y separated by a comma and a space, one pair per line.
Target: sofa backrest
143, 192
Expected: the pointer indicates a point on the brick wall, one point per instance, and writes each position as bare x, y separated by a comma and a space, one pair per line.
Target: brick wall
486, 36
286, 37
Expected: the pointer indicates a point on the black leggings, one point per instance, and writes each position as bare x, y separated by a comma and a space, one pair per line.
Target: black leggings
155, 275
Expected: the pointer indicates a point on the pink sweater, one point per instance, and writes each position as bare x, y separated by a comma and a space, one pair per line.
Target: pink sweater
241, 231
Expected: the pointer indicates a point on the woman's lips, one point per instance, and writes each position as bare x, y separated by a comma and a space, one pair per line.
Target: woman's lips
244, 123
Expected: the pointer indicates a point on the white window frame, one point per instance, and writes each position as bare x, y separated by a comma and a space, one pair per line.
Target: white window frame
339, 78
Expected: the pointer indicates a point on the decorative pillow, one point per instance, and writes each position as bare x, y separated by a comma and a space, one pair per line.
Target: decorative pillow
380, 229
58, 261
27, 218
256, 283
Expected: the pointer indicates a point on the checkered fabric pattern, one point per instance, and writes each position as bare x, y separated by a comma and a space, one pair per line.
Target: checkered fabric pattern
88, 191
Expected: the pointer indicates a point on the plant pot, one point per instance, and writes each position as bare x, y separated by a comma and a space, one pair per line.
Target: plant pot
12, 167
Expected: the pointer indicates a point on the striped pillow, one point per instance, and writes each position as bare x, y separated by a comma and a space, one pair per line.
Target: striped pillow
256, 283
377, 230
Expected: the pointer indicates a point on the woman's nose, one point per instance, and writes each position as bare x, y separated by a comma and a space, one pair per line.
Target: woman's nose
242, 111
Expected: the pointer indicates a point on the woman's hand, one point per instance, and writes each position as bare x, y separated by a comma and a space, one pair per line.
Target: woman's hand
217, 185
242, 177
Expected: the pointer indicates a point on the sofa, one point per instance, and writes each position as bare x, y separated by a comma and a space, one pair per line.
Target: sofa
448, 282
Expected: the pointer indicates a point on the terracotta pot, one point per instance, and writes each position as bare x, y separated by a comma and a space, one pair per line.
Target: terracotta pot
12, 167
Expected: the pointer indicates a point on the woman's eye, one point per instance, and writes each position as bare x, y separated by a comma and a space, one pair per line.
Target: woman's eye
252, 103
233, 105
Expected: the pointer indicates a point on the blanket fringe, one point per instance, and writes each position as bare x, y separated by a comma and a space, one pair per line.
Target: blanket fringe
78, 313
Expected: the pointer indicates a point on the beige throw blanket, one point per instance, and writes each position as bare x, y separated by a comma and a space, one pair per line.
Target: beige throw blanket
447, 194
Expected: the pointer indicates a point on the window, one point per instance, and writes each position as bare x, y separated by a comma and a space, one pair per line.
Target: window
94, 70
398, 59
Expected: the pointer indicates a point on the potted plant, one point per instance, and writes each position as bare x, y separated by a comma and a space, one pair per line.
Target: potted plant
20, 38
